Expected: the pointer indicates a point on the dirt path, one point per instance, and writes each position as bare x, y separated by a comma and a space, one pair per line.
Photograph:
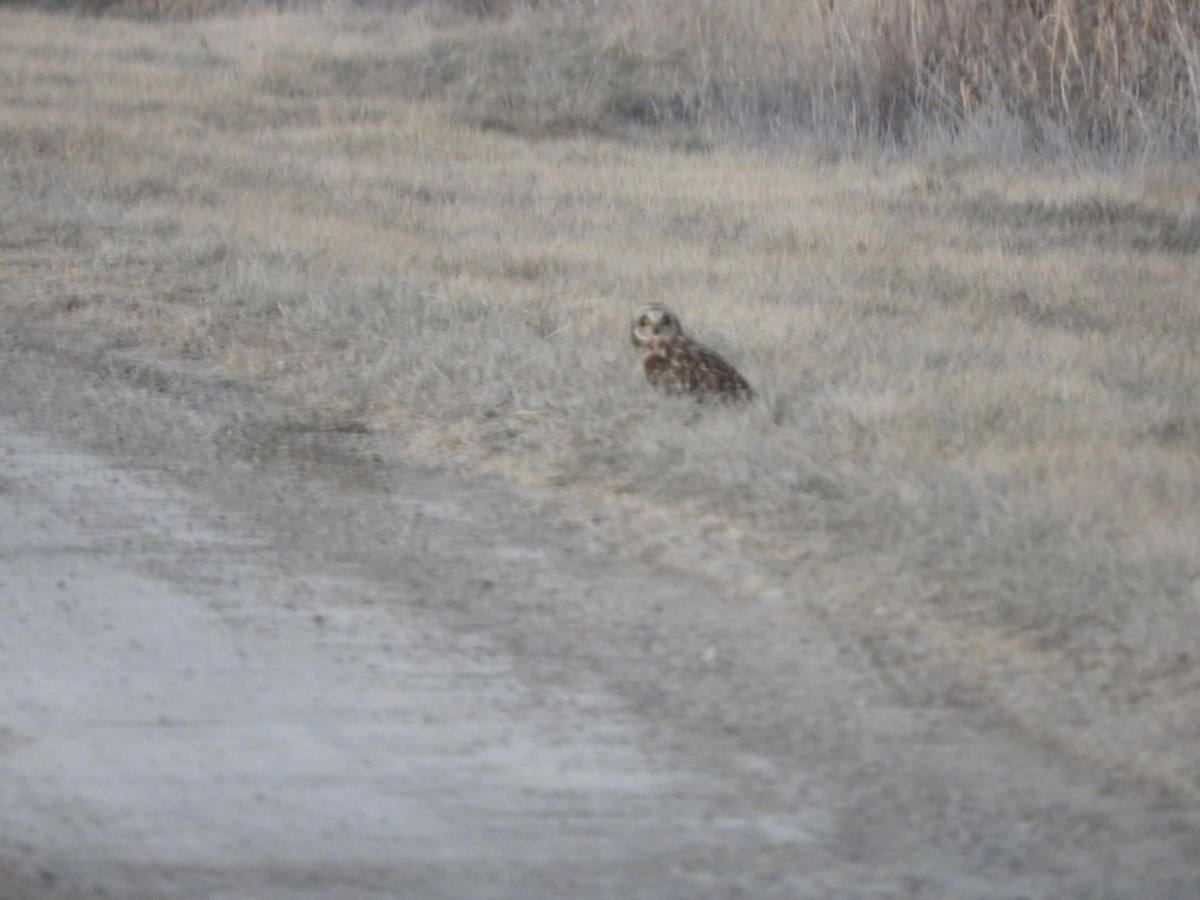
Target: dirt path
245, 658
230, 725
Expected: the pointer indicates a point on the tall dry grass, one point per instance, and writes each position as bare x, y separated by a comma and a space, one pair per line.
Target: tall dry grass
978, 429
1065, 74
1060, 76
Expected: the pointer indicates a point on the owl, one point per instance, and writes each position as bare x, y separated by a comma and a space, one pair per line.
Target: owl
675, 364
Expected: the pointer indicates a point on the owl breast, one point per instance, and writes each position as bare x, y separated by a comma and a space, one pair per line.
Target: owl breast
682, 366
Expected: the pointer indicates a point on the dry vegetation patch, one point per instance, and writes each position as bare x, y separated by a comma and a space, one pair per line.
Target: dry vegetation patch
979, 419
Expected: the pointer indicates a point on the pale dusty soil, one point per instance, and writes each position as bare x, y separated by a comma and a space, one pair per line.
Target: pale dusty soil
247, 658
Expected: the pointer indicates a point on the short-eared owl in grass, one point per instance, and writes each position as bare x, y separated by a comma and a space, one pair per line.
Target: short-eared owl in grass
675, 364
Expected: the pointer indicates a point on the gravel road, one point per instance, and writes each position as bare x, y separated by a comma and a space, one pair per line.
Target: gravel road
248, 658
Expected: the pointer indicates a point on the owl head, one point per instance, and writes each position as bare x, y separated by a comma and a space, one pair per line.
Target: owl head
653, 323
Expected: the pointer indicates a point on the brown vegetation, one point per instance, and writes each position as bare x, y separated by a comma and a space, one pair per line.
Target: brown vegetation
1105, 72
1064, 75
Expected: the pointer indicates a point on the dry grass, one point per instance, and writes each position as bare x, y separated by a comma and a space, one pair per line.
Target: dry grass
979, 417
1116, 77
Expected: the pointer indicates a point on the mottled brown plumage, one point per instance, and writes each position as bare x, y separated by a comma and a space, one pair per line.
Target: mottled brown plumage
675, 364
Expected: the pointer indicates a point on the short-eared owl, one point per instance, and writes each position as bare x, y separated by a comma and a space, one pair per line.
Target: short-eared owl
675, 364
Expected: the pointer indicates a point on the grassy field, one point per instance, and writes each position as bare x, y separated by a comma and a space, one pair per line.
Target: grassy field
978, 369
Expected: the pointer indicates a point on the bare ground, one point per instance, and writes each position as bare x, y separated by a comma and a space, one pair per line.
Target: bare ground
250, 657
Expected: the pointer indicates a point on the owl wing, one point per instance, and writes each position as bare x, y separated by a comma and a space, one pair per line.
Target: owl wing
686, 367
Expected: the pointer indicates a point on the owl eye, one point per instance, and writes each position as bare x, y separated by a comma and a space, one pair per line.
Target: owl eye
644, 321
